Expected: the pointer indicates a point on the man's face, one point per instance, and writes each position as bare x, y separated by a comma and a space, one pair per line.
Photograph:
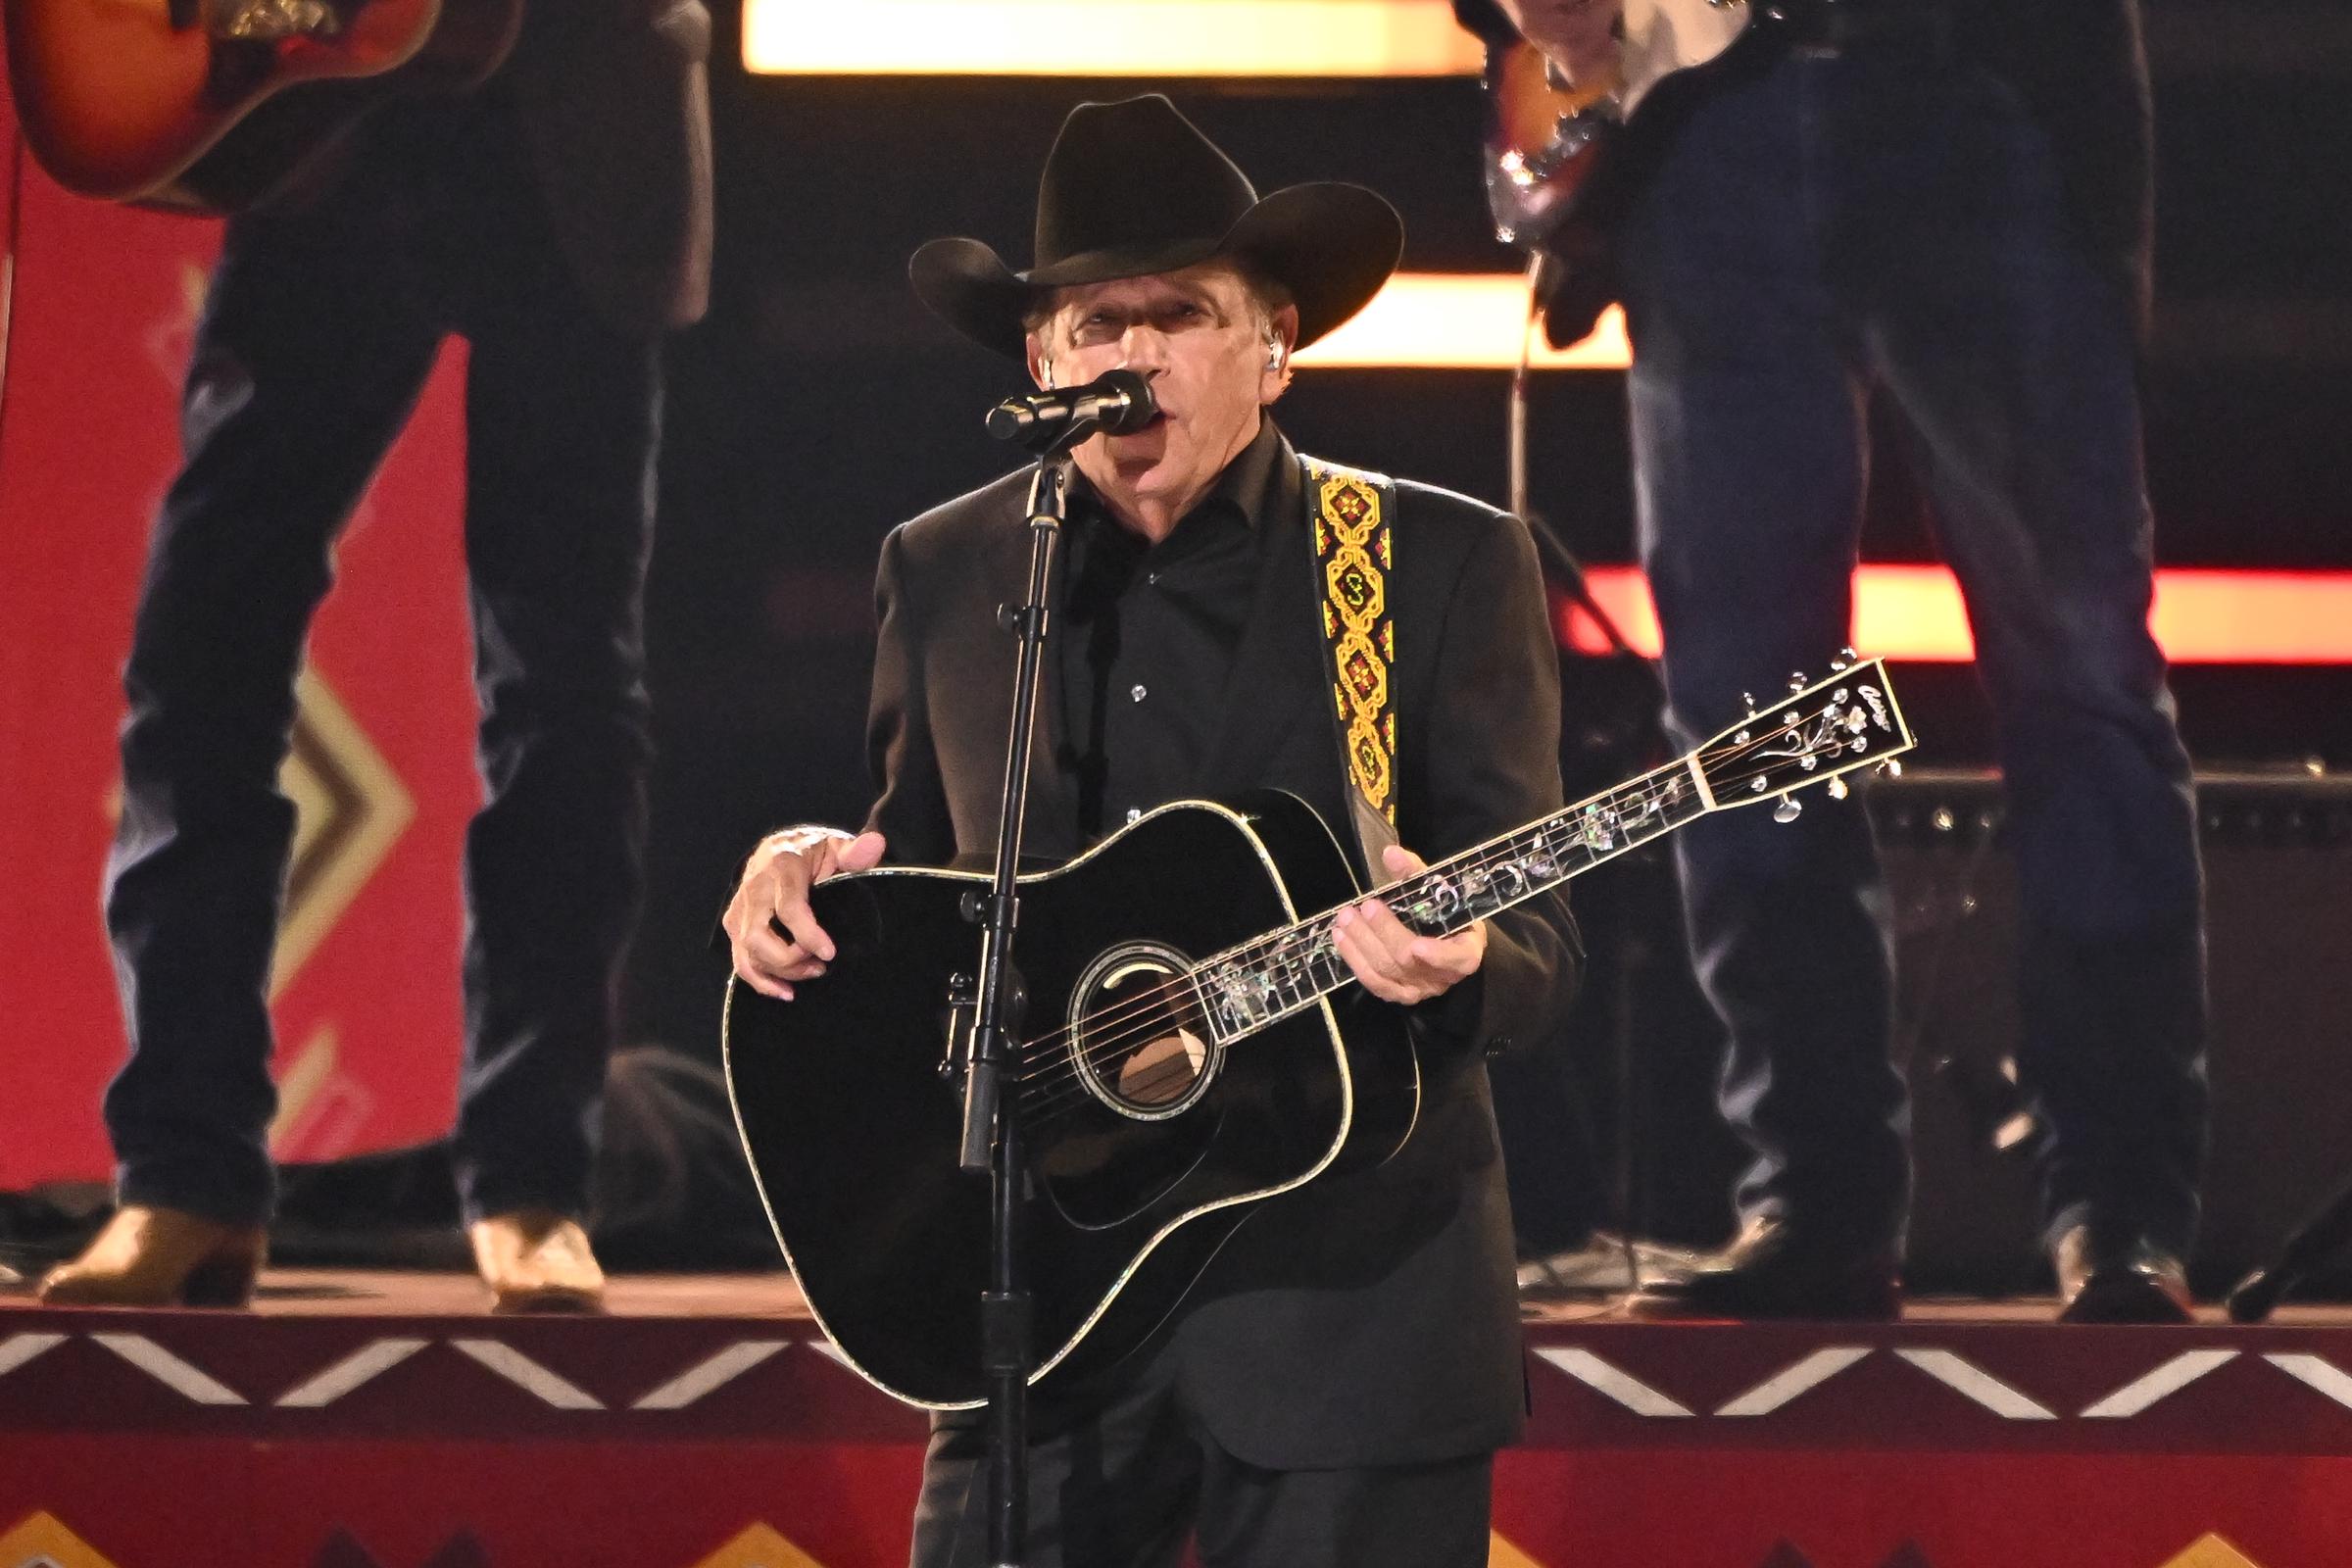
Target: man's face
1197, 335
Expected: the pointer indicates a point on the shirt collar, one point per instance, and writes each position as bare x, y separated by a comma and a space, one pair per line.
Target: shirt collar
1252, 487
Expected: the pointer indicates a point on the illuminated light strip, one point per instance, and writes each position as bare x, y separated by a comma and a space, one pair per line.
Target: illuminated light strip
2165, 1381
1957, 1373
1614, 1380
1106, 38
529, 1375
711, 1373
1809, 1374
364, 1364
1915, 614
182, 1377
1460, 322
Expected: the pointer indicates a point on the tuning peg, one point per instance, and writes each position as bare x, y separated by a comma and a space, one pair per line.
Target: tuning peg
1838, 791
1747, 700
1789, 811
1845, 660
1891, 769
1797, 681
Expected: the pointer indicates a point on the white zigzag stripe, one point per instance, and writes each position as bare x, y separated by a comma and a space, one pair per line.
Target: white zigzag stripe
1990, 1391
831, 1352
1814, 1370
2171, 1378
18, 1349
168, 1369
2315, 1370
715, 1372
366, 1362
529, 1375
1622, 1387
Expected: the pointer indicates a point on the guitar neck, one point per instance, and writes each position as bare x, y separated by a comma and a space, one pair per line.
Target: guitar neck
1286, 971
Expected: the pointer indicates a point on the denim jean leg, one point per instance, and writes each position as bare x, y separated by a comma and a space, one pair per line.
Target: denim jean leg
563, 413
304, 363
2012, 360
1748, 426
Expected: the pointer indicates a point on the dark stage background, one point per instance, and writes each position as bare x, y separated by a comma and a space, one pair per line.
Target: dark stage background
819, 405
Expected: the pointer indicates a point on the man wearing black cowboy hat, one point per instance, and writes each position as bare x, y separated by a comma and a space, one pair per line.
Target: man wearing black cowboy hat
1333, 1390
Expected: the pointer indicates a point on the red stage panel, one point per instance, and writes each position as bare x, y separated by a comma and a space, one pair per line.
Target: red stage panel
364, 1419
365, 1000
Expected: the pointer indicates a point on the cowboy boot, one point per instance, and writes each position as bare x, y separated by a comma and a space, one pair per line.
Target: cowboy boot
150, 1256
536, 1260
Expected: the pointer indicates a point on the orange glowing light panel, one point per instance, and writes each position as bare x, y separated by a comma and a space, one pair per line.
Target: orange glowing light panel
1460, 322
1915, 613
1106, 38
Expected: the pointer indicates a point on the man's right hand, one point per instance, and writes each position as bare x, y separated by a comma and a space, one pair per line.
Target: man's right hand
775, 938
1580, 37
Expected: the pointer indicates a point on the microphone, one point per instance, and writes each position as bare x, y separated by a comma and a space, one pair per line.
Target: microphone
1116, 400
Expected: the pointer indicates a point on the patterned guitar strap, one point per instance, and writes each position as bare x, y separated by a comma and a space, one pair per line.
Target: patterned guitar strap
1354, 512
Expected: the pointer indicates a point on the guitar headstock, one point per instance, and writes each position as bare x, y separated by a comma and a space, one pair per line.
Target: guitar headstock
1818, 733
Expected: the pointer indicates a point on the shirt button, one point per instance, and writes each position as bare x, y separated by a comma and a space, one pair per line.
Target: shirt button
1135, 814
1137, 691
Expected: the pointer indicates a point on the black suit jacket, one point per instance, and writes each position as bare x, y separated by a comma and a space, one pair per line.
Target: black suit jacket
615, 100
1372, 1318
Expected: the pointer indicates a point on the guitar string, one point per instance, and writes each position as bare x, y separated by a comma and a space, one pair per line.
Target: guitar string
1112, 1033
1163, 1010
1153, 1007
1046, 1098
1457, 864
1479, 858
1046, 1093
1163, 1005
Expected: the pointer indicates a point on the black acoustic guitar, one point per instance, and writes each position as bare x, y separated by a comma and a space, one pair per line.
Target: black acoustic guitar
1180, 1060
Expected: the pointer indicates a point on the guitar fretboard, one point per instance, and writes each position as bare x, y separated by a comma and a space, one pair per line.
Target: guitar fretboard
1246, 988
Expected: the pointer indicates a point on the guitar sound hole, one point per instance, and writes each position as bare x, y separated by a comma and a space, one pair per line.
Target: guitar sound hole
1164, 1070
1136, 1033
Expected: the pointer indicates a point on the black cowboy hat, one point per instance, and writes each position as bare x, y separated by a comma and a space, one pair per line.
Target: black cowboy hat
1133, 188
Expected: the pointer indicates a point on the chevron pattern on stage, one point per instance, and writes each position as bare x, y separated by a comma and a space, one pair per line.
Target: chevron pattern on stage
41, 1540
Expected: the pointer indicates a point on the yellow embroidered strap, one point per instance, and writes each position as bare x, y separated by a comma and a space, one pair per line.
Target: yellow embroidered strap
1352, 547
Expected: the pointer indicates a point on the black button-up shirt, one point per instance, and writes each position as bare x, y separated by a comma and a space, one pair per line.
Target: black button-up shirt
1148, 634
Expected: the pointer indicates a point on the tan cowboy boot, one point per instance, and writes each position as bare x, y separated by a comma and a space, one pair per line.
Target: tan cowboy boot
536, 1260
160, 1257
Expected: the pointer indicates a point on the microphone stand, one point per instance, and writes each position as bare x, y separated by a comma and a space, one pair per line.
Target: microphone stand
2317, 1240
991, 1123
1548, 543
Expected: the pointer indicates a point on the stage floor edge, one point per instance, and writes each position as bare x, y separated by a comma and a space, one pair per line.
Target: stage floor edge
363, 1420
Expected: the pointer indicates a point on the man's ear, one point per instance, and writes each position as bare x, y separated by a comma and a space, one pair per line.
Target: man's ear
1282, 333
1041, 364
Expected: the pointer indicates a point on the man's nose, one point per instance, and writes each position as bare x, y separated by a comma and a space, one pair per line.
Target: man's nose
1143, 348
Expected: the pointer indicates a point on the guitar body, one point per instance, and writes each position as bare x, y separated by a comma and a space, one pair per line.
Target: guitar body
1181, 1059
1557, 161
853, 1133
131, 101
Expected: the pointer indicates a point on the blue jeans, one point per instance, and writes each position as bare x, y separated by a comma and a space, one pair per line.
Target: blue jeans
1825, 225
318, 330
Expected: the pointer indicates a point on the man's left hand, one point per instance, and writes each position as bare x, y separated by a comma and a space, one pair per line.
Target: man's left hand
1393, 963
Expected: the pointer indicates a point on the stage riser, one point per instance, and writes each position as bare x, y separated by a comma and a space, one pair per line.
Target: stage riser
184, 1439
144, 1503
